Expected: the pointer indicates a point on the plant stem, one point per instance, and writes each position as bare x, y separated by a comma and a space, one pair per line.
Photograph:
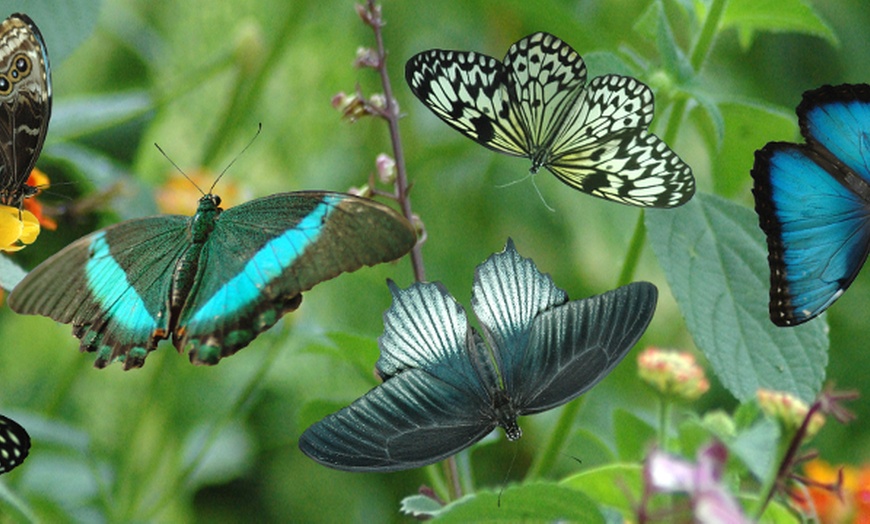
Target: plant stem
635, 247
391, 114
543, 462
708, 33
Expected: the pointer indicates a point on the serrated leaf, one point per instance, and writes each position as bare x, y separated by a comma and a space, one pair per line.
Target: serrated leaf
777, 16
715, 260
538, 502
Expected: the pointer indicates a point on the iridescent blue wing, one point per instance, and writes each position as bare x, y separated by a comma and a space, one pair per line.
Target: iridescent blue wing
813, 203
14, 444
434, 402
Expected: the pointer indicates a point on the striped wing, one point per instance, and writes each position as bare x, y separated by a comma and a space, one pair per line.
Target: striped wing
263, 254
514, 107
112, 286
534, 104
604, 148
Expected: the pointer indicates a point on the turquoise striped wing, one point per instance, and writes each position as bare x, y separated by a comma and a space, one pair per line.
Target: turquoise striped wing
264, 253
112, 286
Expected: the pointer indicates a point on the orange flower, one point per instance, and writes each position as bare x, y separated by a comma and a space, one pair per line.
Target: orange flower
18, 228
178, 196
40, 181
849, 503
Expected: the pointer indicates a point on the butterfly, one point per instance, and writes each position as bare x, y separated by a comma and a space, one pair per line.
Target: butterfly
536, 104
446, 386
213, 281
25, 105
813, 203
14, 444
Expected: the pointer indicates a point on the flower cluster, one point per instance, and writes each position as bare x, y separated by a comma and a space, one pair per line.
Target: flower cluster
673, 373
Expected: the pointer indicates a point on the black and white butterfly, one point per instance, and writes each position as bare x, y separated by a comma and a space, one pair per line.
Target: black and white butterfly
14, 444
536, 104
446, 386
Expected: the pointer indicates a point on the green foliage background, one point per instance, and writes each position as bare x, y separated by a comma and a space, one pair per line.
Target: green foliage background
173, 442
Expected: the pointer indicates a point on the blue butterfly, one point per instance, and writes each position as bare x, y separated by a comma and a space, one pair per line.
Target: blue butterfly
446, 386
813, 203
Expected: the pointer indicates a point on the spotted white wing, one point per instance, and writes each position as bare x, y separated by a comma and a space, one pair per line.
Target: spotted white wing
604, 148
534, 104
14, 444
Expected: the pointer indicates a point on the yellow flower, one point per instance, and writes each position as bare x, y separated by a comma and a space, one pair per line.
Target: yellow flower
18, 228
789, 409
673, 373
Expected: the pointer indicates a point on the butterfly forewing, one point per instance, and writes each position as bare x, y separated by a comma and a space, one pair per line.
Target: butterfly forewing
469, 92
574, 346
546, 78
14, 444
409, 421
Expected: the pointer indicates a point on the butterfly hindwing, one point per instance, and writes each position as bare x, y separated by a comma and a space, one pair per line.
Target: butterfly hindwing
25, 104
813, 203
112, 286
14, 444
593, 138
574, 346
263, 254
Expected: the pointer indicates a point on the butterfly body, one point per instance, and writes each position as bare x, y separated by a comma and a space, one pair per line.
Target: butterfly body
446, 385
25, 105
211, 282
813, 203
536, 104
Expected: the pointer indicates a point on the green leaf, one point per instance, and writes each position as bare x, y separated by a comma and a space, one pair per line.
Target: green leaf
420, 506
538, 502
750, 125
714, 258
10, 273
614, 485
757, 448
777, 16
633, 435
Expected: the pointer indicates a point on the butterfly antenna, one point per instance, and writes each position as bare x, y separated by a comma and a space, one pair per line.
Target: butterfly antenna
162, 152
233, 161
507, 474
537, 189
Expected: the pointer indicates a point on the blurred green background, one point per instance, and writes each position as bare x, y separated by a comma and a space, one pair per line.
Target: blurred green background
173, 442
